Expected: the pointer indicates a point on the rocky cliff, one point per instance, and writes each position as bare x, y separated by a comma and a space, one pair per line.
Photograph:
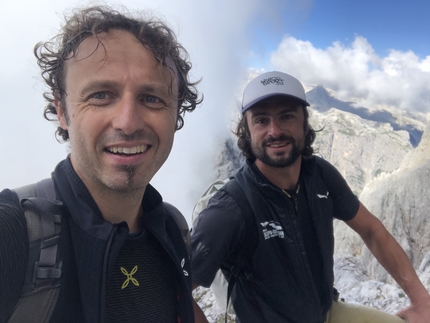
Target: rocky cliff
401, 200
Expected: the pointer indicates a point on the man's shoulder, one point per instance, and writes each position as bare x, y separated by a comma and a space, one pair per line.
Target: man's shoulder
9, 197
13, 225
317, 164
221, 211
222, 200
9, 203
316, 160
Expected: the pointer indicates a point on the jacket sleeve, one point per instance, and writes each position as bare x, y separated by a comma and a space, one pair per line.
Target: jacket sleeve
216, 235
13, 252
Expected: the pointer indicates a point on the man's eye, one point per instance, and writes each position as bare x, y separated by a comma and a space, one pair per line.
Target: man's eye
151, 99
286, 116
99, 95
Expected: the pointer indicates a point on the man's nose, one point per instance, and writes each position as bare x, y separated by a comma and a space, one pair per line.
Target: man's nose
128, 117
274, 129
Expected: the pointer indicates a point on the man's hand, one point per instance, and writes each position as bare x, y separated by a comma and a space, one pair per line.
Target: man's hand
199, 316
416, 313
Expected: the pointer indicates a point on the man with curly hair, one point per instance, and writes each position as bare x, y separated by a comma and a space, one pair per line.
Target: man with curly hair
292, 197
118, 88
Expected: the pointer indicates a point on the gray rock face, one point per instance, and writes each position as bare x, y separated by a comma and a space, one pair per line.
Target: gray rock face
357, 147
401, 200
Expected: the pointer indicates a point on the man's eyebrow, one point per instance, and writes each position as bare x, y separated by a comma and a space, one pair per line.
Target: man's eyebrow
262, 112
98, 85
258, 111
289, 109
154, 88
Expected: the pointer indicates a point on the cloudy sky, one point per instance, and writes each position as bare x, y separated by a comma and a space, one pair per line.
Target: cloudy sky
374, 51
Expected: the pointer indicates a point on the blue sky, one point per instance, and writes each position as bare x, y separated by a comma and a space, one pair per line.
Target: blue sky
396, 24
358, 49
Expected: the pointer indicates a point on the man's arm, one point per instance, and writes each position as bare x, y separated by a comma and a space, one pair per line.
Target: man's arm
393, 258
199, 316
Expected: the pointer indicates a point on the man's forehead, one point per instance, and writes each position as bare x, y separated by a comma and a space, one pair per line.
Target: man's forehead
98, 50
101, 43
279, 103
104, 42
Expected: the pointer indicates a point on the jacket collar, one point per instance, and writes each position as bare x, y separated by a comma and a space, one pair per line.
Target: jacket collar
267, 188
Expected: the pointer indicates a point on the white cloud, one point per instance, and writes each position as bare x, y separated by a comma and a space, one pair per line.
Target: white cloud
400, 79
213, 32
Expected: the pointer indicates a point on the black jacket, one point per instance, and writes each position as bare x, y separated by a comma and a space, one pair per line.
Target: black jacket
282, 288
89, 245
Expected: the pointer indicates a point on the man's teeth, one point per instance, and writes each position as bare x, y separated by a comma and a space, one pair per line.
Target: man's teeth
127, 150
277, 145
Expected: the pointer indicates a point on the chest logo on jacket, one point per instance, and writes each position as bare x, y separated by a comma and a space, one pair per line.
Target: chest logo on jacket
323, 196
272, 229
129, 277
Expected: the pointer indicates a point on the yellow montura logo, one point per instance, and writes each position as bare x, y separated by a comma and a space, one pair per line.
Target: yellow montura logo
129, 277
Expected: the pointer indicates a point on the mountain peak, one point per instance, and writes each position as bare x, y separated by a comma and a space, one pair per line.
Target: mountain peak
322, 100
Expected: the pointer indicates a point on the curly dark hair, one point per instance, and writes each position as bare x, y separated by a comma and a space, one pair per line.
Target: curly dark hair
154, 35
244, 136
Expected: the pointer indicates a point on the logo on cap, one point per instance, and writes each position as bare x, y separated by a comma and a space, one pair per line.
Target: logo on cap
273, 80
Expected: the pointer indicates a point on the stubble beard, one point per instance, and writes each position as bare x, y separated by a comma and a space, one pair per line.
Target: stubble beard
126, 185
283, 159
129, 184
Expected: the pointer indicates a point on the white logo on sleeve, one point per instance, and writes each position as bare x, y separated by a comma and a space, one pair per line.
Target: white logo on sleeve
272, 229
323, 196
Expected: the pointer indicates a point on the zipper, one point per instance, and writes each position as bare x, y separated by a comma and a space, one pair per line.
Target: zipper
310, 197
319, 238
297, 244
294, 198
104, 273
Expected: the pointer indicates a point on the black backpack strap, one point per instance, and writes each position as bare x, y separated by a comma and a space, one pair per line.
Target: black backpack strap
43, 215
243, 262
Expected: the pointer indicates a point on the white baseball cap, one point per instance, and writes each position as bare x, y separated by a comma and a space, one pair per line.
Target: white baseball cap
271, 84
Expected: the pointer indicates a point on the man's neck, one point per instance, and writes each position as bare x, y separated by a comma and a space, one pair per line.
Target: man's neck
119, 207
282, 177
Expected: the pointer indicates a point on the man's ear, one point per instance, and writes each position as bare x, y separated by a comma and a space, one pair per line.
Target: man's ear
306, 128
61, 114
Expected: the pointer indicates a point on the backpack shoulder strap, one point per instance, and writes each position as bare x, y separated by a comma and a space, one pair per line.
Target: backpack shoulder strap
43, 216
243, 261
182, 224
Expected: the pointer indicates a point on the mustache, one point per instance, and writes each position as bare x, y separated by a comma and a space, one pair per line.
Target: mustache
120, 136
282, 137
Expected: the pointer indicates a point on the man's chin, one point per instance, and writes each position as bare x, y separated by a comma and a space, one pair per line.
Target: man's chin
279, 161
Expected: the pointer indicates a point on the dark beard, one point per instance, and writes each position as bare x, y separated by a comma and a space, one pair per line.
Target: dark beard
131, 170
283, 160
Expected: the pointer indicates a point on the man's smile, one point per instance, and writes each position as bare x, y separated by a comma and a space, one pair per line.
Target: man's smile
127, 150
